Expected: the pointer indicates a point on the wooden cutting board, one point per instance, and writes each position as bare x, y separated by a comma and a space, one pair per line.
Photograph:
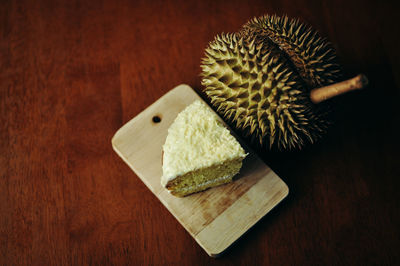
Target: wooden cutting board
217, 217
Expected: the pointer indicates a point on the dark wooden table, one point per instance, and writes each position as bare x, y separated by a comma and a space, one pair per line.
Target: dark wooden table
73, 72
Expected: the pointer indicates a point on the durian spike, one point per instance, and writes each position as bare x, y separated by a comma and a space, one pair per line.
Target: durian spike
327, 92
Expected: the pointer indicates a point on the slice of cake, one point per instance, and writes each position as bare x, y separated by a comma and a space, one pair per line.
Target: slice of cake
199, 152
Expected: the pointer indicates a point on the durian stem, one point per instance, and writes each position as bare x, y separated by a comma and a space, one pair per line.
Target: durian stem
327, 92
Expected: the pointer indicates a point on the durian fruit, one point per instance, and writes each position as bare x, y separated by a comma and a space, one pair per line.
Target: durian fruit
260, 81
313, 56
254, 87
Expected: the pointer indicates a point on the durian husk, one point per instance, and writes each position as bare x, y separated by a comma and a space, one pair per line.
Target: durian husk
255, 87
313, 56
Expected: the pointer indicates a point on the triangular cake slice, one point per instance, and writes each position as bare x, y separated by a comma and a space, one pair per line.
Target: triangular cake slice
199, 152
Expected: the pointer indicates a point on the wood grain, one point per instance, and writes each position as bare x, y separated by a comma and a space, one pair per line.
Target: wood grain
214, 218
73, 72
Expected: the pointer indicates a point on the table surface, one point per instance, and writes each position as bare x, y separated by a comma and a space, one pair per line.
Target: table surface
73, 72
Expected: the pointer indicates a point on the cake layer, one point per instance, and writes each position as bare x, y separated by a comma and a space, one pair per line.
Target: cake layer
204, 178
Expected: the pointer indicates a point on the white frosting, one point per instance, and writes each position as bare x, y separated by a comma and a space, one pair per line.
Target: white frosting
196, 139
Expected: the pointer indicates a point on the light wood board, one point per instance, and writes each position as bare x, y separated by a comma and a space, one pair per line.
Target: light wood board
217, 217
